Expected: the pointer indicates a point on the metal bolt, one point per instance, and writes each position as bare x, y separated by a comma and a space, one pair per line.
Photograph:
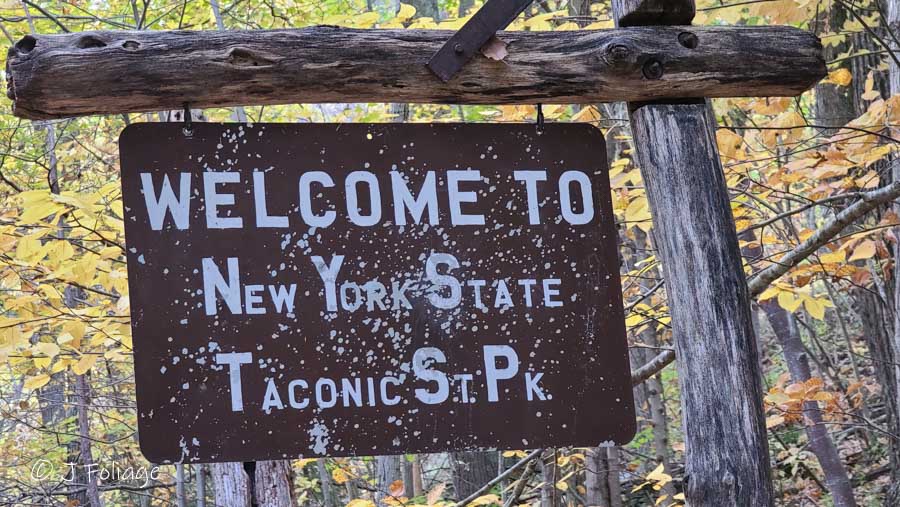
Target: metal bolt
653, 69
458, 48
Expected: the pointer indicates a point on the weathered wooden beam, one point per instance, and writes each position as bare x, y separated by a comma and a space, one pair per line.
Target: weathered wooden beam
109, 72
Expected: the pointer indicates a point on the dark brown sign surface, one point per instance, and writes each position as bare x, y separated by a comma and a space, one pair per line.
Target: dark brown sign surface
372, 289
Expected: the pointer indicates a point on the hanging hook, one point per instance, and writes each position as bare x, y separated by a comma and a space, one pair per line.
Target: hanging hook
188, 129
540, 119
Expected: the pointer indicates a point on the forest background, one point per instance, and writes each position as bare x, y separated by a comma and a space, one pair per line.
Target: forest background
811, 189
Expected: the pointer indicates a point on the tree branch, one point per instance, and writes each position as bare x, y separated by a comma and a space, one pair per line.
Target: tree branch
867, 202
652, 367
509, 471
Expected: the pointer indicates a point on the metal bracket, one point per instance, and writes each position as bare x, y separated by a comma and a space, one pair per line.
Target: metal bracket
494, 15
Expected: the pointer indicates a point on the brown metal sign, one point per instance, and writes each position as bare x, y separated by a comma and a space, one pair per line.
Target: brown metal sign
367, 289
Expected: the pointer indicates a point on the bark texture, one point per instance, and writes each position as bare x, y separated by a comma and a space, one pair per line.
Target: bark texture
230, 484
549, 477
53, 76
273, 484
387, 470
601, 482
471, 470
727, 452
727, 460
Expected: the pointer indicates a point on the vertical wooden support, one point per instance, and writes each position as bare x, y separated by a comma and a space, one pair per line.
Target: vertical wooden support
727, 459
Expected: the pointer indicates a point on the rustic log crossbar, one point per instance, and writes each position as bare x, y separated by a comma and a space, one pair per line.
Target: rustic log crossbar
112, 72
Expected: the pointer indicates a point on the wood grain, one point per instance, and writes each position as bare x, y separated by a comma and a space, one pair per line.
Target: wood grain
111, 72
725, 435
727, 456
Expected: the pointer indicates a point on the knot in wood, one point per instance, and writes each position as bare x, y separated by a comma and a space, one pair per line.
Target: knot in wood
618, 52
728, 479
90, 42
25, 45
240, 57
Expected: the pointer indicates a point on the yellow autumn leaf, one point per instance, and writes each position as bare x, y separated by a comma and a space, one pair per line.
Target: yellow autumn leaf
773, 421
37, 381
485, 500
300, 463
39, 211
787, 301
840, 77
47, 349
85, 363
638, 210
359, 502
396, 488
339, 475
770, 292
729, 143
864, 250
364, 20
659, 476
871, 93
815, 308
406, 12
822, 396
833, 257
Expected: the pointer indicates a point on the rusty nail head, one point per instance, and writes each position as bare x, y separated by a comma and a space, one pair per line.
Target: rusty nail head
653, 69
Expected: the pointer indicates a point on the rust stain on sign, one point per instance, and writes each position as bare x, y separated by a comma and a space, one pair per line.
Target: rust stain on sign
367, 289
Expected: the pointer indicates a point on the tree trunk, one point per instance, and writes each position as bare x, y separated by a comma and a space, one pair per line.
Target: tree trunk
660, 429
387, 471
230, 484
614, 481
200, 470
426, 8
874, 317
274, 484
596, 479
549, 477
328, 497
180, 499
83, 389
471, 470
820, 442
418, 488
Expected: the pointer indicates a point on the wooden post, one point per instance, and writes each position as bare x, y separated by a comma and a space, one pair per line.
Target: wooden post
727, 459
